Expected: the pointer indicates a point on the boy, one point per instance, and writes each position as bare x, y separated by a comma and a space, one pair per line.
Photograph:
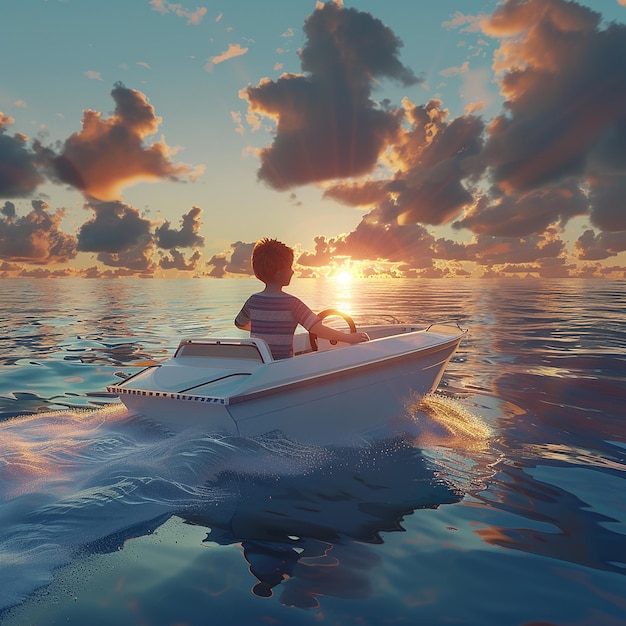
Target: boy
273, 314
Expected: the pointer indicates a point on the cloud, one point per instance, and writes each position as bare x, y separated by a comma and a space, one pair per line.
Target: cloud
36, 237
414, 251
192, 17
519, 215
468, 23
558, 149
19, 175
124, 239
607, 194
323, 254
134, 258
115, 228
565, 89
375, 240
432, 158
9, 267
93, 75
362, 194
186, 237
109, 153
327, 124
176, 260
490, 250
592, 247
455, 71
234, 50
219, 263
240, 259
8, 210
237, 120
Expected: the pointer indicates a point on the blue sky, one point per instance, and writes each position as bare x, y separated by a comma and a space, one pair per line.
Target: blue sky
156, 138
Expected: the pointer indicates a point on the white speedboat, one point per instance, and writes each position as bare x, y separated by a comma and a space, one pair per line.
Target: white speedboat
325, 393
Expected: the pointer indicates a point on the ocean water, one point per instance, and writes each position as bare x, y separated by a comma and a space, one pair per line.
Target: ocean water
505, 504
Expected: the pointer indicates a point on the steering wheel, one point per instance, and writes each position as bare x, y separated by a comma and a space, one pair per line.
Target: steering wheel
327, 313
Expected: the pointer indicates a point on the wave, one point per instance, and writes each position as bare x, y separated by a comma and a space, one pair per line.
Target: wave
75, 482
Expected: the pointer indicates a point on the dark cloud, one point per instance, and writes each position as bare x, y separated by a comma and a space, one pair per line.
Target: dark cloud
135, 258
489, 250
116, 227
592, 247
449, 250
612, 271
519, 215
176, 260
5, 266
19, 175
557, 151
608, 198
8, 210
327, 124
555, 267
218, 262
240, 259
186, 237
565, 87
367, 193
124, 239
36, 237
432, 157
109, 153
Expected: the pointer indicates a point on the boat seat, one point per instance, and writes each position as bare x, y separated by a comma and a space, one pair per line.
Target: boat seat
246, 349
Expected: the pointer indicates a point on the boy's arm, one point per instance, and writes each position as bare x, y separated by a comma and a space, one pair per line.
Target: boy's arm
326, 332
242, 320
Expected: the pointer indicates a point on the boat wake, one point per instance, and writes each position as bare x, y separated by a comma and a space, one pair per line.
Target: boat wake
446, 422
76, 482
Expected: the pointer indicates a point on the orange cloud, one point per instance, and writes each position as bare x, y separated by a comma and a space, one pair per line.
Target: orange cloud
109, 153
193, 17
234, 50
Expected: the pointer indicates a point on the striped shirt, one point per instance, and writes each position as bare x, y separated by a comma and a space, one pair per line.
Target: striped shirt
274, 317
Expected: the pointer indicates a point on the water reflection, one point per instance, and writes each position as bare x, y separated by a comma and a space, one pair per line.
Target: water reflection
563, 445
561, 525
307, 535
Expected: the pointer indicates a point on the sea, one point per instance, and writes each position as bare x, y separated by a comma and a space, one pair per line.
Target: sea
502, 501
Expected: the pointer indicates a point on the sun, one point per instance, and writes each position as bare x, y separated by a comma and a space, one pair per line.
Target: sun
343, 277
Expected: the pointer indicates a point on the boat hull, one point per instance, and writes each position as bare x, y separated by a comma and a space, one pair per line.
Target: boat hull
338, 396
356, 404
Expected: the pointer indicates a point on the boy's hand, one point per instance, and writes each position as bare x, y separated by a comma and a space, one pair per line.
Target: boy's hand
358, 337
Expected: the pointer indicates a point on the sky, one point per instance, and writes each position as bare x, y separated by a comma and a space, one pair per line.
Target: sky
460, 138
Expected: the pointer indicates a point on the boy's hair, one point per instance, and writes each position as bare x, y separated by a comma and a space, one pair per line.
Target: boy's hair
269, 256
